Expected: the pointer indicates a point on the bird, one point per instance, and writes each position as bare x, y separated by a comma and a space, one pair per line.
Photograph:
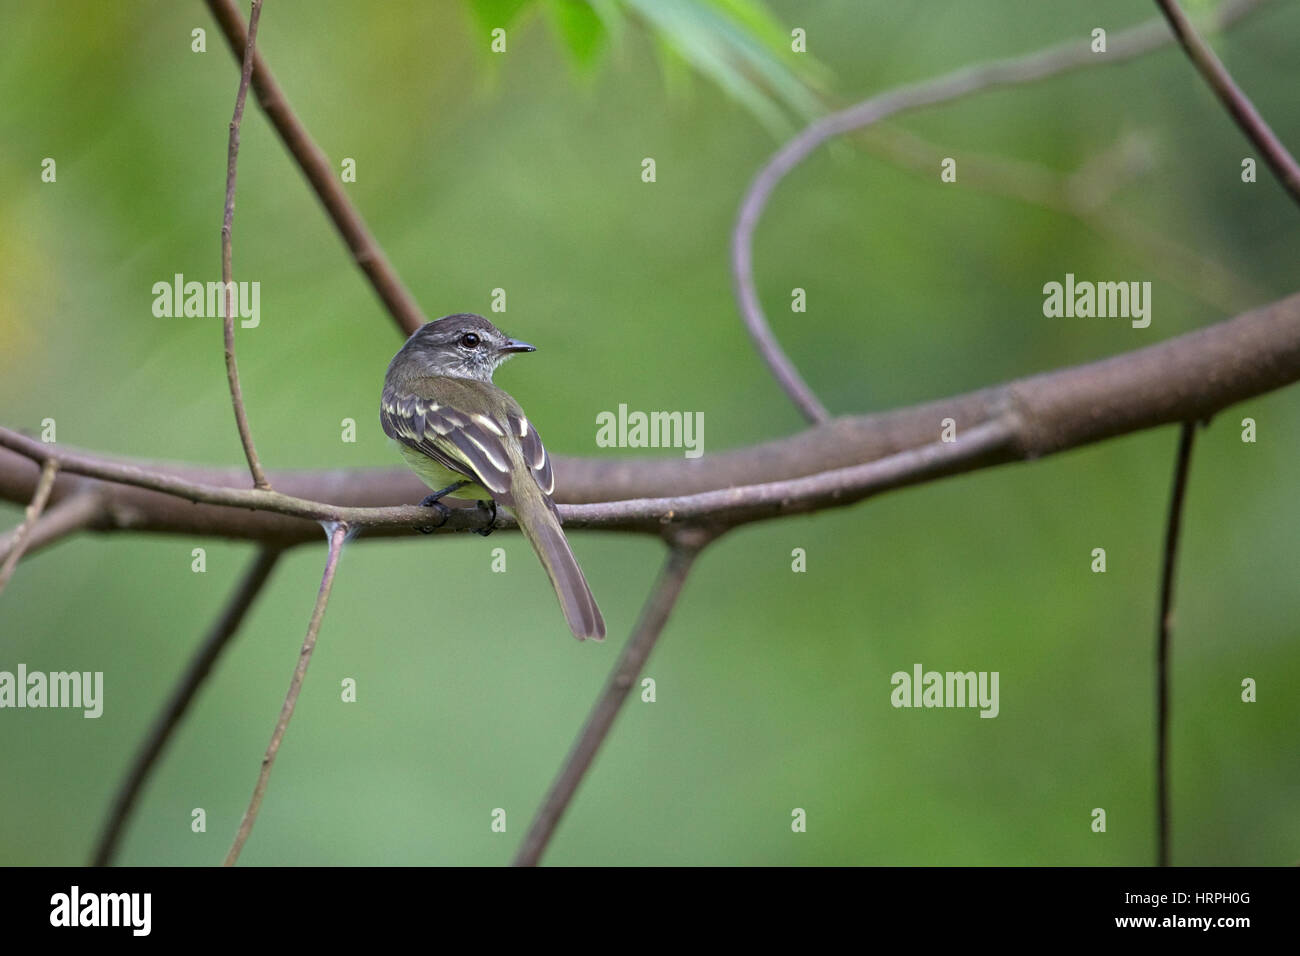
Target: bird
467, 438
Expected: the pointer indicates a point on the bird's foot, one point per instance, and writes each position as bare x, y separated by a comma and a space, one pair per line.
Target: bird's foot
491, 508
431, 501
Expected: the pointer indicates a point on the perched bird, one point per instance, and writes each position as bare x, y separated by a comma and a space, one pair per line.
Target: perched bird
467, 438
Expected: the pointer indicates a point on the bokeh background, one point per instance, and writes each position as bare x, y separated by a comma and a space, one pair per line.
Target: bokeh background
522, 171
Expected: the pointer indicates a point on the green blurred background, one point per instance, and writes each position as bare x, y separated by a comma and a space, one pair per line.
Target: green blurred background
522, 171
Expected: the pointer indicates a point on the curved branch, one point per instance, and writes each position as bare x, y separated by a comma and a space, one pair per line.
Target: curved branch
722, 508
973, 79
1192, 376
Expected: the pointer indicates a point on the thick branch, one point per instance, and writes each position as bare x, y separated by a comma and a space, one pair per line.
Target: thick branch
1189, 377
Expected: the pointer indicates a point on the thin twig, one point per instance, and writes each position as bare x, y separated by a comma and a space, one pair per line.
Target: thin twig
654, 616
43, 487
251, 499
338, 533
323, 177
66, 516
964, 82
227, 279
200, 665
1237, 102
729, 506
1164, 630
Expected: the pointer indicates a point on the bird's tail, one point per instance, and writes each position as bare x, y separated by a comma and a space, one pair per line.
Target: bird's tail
542, 527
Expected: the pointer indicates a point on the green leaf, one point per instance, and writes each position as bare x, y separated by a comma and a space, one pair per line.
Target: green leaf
674, 67
581, 28
490, 14
736, 44
755, 18
717, 37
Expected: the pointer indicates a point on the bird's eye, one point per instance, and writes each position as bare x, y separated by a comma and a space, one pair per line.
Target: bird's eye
469, 340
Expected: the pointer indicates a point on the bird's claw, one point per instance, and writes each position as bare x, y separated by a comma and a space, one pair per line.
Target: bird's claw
431, 501
491, 508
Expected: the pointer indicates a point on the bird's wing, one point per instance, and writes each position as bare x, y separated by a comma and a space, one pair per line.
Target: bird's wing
472, 444
535, 456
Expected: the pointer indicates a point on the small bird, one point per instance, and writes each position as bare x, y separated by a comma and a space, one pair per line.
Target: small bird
467, 438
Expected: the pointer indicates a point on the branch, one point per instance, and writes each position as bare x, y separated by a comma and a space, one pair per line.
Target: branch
639, 646
1164, 628
337, 534
1238, 103
19, 541
1188, 377
179, 487
974, 79
726, 507
228, 285
73, 513
321, 175
232, 616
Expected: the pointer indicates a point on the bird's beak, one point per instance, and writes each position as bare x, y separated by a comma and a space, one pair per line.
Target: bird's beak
514, 345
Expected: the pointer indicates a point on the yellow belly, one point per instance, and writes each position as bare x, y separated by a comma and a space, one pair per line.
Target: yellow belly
438, 476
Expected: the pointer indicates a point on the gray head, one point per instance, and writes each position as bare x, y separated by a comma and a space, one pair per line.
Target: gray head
463, 345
